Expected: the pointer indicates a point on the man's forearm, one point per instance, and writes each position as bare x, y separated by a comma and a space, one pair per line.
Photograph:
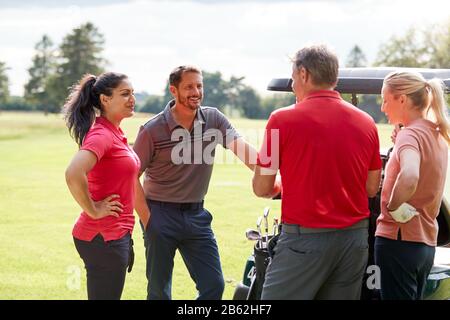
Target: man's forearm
275, 190
265, 185
245, 152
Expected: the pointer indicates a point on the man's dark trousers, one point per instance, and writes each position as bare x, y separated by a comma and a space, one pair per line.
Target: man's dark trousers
186, 227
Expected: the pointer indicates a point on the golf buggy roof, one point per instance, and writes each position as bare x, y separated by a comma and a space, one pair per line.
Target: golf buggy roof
365, 80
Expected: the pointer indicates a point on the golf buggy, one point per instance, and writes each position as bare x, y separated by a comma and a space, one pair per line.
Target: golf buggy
353, 81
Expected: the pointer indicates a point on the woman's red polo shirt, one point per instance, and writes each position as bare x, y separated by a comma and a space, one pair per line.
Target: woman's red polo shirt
115, 172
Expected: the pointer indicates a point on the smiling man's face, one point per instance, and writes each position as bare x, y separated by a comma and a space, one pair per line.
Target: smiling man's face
189, 92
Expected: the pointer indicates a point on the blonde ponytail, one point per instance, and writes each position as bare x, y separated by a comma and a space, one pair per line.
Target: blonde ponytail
439, 107
425, 95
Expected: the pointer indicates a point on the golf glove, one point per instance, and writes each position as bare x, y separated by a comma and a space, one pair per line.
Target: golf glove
404, 213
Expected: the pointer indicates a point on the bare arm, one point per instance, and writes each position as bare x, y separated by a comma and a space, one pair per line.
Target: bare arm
373, 183
244, 151
406, 184
141, 207
264, 180
265, 184
76, 179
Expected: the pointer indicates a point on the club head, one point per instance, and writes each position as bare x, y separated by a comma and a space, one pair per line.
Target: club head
266, 212
252, 234
275, 226
258, 222
266, 220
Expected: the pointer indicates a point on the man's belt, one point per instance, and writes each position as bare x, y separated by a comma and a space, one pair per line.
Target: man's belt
295, 228
178, 206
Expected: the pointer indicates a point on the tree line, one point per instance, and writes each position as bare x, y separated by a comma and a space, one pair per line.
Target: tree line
417, 48
55, 69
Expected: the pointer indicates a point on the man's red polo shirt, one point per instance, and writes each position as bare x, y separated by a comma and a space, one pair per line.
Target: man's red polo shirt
326, 148
115, 172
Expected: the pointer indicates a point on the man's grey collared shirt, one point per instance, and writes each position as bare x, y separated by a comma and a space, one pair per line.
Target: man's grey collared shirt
177, 163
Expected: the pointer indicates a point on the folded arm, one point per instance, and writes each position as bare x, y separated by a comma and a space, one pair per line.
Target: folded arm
406, 184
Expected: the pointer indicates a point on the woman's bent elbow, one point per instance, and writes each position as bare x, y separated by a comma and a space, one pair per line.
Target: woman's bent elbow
69, 174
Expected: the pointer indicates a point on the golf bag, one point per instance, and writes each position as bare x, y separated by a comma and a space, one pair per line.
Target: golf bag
375, 210
255, 272
262, 258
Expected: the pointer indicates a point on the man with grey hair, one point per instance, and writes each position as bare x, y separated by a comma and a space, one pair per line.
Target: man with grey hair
176, 179
329, 162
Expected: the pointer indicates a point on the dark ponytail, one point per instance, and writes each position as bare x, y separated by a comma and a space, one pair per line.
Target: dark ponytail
84, 98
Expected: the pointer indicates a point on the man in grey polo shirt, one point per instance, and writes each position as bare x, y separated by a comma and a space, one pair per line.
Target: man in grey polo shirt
176, 149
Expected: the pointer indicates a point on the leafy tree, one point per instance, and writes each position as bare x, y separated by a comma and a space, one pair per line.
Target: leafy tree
153, 104
367, 103
249, 102
79, 53
275, 101
403, 51
437, 40
429, 48
230, 96
40, 71
4, 83
216, 90
356, 58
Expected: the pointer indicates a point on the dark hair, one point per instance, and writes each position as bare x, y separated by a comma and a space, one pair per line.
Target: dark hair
177, 74
79, 109
320, 62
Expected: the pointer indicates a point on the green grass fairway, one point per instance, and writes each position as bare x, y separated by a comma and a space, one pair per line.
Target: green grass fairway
38, 258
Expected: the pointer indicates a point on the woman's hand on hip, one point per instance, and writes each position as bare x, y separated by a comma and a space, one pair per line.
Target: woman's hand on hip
110, 206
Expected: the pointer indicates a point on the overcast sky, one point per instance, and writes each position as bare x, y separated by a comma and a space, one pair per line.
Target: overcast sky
146, 39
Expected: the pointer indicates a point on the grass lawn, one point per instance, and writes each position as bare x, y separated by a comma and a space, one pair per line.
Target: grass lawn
38, 258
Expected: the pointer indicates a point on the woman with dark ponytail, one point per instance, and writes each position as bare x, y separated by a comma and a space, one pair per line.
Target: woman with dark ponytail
102, 178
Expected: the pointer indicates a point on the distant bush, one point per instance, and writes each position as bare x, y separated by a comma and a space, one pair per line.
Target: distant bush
16, 104
153, 104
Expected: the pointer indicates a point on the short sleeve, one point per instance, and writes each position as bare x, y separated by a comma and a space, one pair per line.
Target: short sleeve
406, 139
269, 154
376, 163
228, 131
98, 140
144, 148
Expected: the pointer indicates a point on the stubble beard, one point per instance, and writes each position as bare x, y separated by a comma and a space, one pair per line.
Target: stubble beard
184, 101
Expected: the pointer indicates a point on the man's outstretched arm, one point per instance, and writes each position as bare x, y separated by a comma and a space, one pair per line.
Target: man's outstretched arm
265, 182
244, 151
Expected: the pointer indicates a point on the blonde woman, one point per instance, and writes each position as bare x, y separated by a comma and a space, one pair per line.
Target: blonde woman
407, 229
